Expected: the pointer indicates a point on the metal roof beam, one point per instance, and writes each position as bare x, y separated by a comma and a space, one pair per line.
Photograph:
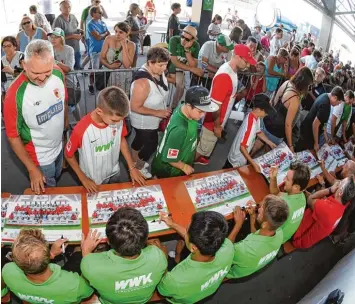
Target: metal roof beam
345, 13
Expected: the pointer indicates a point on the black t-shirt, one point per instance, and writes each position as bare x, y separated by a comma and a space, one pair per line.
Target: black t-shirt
246, 33
349, 131
321, 110
173, 24
307, 101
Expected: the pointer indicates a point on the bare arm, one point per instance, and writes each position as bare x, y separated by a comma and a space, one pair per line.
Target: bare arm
18, 41
210, 68
264, 138
191, 60
333, 122
140, 93
317, 195
104, 50
315, 129
104, 14
136, 176
64, 67
180, 65
171, 33
291, 114
128, 54
343, 130
329, 177
271, 64
233, 234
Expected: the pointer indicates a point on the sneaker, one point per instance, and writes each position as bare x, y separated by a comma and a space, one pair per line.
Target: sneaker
202, 161
145, 173
91, 89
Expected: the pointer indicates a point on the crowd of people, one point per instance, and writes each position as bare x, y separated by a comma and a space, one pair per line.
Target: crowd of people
295, 93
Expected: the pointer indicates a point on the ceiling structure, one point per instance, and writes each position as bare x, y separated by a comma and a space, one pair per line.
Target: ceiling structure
343, 12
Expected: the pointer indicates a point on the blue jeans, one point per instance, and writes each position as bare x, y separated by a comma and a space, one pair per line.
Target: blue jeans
77, 56
52, 171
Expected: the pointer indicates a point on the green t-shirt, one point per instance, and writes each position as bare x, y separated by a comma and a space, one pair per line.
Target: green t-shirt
120, 280
346, 112
296, 204
178, 144
176, 49
61, 288
192, 281
253, 253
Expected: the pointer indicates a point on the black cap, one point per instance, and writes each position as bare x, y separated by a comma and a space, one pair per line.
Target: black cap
262, 101
199, 98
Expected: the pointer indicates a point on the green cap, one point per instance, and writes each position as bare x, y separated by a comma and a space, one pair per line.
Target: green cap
224, 40
57, 32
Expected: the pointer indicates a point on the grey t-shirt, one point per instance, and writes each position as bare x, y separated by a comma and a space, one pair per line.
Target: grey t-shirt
215, 59
69, 28
66, 56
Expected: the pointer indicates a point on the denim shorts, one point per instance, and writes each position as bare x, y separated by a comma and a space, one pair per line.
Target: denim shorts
270, 136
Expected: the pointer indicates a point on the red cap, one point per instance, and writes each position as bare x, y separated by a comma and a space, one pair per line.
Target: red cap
244, 52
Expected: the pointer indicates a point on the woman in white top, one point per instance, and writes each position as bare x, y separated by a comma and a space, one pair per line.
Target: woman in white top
11, 60
214, 29
149, 92
118, 53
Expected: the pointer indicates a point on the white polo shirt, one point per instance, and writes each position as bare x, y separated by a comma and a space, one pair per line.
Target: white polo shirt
215, 59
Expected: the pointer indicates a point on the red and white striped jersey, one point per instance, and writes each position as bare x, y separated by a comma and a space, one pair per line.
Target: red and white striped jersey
245, 137
99, 148
36, 115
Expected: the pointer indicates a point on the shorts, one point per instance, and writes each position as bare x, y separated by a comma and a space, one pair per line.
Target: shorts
270, 136
207, 142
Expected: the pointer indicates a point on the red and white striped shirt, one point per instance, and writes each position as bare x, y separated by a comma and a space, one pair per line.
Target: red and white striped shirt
245, 137
99, 148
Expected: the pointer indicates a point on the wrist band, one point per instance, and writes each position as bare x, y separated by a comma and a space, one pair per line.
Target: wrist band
129, 170
184, 167
330, 190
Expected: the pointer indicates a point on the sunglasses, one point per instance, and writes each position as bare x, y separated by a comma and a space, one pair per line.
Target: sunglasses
99, 13
186, 39
28, 22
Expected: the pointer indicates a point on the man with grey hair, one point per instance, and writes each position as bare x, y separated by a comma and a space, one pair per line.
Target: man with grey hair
35, 113
70, 25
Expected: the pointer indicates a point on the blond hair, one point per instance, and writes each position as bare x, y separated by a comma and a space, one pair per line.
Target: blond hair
30, 251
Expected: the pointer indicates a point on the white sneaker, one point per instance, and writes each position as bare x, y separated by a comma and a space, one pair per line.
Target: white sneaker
145, 172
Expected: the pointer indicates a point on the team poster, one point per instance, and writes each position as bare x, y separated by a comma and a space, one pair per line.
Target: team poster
221, 192
148, 200
307, 158
281, 156
325, 153
56, 215
339, 155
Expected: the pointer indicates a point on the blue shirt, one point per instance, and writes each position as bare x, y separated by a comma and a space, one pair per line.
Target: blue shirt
24, 39
99, 26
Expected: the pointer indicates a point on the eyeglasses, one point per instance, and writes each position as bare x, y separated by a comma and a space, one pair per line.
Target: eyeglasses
99, 13
28, 22
7, 45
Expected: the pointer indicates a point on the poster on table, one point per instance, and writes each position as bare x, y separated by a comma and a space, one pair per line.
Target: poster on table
339, 155
349, 148
220, 192
281, 156
308, 158
325, 154
56, 215
147, 200
4, 204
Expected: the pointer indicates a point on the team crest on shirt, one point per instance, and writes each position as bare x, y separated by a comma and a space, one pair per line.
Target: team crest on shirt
57, 94
69, 146
173, 153
114, 131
